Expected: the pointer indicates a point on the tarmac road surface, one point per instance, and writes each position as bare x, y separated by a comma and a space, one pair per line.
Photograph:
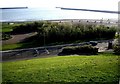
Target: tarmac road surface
46, 51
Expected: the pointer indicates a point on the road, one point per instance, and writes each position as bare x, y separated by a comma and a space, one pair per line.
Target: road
41, 51
107, 22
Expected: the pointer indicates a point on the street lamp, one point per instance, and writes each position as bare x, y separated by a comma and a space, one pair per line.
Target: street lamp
47, 52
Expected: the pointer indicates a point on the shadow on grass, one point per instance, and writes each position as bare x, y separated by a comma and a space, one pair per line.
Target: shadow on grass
86, 54
90, 54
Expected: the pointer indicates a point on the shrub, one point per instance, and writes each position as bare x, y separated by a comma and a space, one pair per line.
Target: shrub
66, 32
117, 49
53, 32
85, 49
116, 46
27, 27
6, 36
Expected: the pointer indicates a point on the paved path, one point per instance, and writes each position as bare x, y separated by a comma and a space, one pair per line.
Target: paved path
46, 51
18, 38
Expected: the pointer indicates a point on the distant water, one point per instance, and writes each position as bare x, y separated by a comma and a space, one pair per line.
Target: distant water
47, 14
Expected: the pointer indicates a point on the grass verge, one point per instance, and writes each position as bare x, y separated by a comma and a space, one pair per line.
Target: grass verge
102, 68
18, 46
11, 46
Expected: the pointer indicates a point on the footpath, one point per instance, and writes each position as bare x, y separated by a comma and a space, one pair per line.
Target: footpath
47, 51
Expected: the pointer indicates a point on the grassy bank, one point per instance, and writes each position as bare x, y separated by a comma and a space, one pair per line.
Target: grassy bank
6, 27
17, 46
96, 68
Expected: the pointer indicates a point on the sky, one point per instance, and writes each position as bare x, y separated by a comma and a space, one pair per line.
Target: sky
50, 4
111, 5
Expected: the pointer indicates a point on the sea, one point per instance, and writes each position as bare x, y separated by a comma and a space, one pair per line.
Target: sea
33, 14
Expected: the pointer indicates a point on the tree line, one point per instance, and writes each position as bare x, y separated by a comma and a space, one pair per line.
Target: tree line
64, 32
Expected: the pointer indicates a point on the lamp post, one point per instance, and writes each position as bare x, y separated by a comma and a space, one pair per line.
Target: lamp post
44, 26
44, 34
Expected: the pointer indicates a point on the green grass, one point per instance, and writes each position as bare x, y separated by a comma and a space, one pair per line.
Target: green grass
11, 46
6, 30
7, 27
17, 46
96, 68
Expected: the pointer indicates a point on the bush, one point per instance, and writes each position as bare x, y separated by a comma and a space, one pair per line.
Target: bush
86, 49
27, 27
53, 32
66, 32
6, 36
117, 49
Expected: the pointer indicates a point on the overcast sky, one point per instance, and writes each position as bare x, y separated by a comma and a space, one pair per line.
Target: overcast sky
49, 4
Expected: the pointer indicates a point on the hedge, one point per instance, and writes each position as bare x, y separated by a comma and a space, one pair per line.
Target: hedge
85, 49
